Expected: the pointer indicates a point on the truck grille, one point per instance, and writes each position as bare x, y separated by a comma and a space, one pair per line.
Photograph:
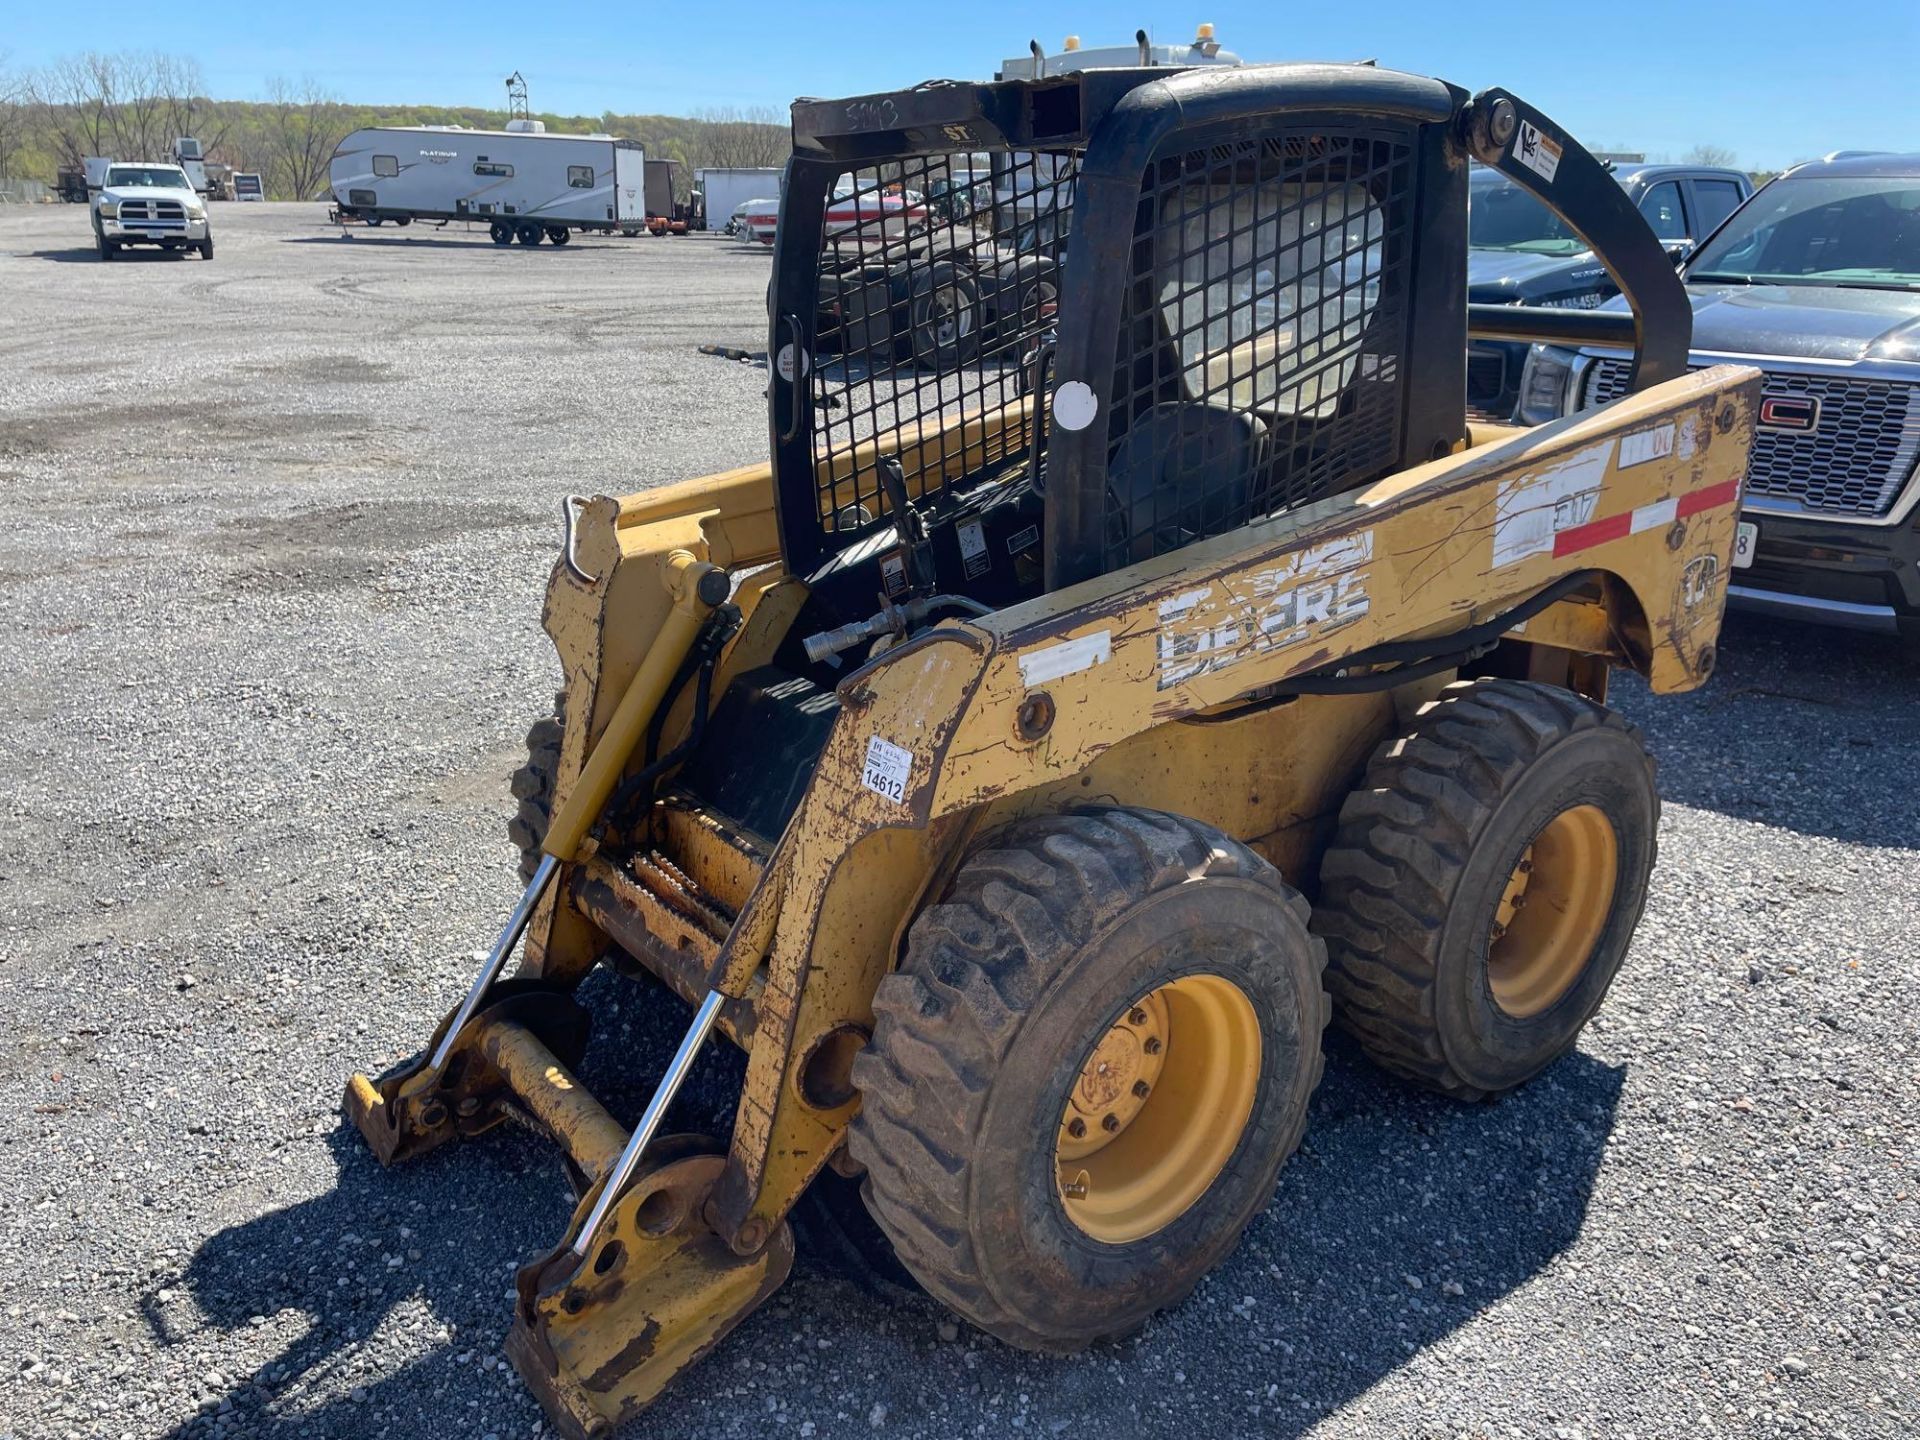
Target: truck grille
153, 212
1851, 465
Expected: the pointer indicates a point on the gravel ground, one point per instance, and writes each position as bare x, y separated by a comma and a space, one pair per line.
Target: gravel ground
277, 531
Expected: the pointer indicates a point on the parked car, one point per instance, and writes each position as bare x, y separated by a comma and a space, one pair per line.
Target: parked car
150, 204
1815, 280
1521, 253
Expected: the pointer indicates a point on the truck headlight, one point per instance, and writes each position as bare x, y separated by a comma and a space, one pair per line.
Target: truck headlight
1544, 384
110, 209
196, 212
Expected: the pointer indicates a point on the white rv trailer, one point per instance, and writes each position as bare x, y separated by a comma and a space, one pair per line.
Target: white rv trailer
525, 184
723, 191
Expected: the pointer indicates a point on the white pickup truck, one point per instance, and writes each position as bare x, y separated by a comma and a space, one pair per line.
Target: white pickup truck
150, 204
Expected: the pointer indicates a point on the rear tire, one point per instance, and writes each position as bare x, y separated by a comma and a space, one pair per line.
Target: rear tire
559, 234
1023, 1008
532, 785
1485, 882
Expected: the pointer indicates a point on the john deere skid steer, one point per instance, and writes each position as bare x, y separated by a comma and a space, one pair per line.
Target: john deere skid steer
1125, 576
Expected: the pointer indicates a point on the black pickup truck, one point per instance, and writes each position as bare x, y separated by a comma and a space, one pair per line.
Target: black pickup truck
1816, 281
1521, 253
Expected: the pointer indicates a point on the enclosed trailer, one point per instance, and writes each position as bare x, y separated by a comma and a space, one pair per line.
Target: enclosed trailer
188, 155
526, 184
725, 190
247, 186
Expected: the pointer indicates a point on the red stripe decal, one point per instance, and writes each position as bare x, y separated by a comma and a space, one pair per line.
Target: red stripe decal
1594, 532
1711, 498
1618, 527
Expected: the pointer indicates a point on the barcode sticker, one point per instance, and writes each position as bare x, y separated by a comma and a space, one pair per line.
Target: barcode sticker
887, 769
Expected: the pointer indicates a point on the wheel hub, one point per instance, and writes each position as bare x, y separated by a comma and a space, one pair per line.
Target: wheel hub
1158, 1108
1554, 908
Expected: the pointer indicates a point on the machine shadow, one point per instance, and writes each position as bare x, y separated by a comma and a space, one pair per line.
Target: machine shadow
429, 242
1390, 1183
1837, 704
89, 255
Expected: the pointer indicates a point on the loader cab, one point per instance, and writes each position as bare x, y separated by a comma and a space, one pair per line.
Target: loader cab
1192, 301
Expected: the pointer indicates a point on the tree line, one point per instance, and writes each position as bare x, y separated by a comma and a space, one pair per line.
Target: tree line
133, 105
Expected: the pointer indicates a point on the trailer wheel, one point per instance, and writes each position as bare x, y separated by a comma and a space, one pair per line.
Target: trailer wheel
1084, 1079
559, 234
943, 313
1484, 884
500, 232
403, 219
529, 233
376, 220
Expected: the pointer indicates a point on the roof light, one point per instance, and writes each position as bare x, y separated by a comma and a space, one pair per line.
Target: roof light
1072, 42
1204, 33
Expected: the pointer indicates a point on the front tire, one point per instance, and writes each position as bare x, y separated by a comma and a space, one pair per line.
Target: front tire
108, 249
1485, 882
943, 318
206, 248
1087, 1073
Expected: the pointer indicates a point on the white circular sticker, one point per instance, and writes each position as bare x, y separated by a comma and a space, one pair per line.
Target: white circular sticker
784, 363
1074, 405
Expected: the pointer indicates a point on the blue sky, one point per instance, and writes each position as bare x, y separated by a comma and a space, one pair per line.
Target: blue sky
1774, 82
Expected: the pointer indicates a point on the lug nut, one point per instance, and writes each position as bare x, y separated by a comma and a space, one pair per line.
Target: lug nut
1140, 1088
1152, 1047
1110, 1123
1076, 1127
1136, 1016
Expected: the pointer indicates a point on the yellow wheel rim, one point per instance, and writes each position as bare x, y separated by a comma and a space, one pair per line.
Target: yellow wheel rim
1158, 1108
1553, 911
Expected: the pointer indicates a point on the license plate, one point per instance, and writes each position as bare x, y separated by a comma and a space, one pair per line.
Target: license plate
1746, 535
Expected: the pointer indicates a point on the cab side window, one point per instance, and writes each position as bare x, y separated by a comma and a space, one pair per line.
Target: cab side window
386, 166
1661, 206
1713, 201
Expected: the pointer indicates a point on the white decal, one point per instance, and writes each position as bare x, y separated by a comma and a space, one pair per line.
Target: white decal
1309, 594
1537, 150
1644, 445
784, 362
1069, 657
887, 769
1075, 405
973, 548
1533, 509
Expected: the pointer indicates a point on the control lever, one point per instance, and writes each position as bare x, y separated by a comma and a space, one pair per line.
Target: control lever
913, 530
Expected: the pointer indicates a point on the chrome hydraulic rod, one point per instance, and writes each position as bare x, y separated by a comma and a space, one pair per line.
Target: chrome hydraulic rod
649, 1125
503, 947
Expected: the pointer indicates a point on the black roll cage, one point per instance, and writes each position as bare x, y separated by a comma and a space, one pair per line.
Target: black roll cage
1121, 120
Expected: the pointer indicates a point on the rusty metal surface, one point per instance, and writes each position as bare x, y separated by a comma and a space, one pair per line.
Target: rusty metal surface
548, 1091
596, 1338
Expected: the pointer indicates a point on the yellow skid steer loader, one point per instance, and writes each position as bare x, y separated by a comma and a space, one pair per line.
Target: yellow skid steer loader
1124, 574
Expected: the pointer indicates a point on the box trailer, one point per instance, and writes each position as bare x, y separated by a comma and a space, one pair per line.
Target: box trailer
724, 190
247, 186
525, 184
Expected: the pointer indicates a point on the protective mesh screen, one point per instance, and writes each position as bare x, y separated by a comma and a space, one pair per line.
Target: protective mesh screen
939, 276
1260, 357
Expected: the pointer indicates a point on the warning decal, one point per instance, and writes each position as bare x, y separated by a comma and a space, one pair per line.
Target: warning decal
1537, 150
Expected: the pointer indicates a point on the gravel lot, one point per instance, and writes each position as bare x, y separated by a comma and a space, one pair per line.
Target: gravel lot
277, 531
